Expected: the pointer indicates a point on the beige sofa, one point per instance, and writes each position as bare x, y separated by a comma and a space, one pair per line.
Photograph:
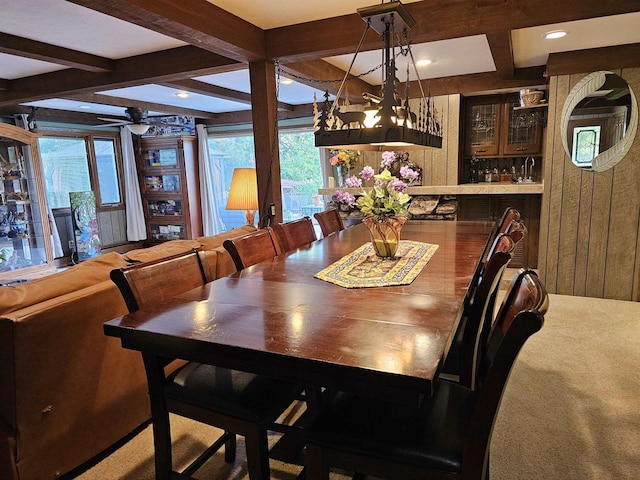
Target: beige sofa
67, 391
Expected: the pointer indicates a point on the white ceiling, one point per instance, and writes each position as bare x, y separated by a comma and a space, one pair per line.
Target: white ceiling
71, 26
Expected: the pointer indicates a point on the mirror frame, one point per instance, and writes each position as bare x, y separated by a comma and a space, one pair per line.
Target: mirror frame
609, 158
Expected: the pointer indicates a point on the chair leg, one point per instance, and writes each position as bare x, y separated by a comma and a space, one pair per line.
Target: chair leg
257, 454
314, 464
230, 449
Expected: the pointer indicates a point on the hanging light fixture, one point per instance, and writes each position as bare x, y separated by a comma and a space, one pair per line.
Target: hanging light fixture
386, 118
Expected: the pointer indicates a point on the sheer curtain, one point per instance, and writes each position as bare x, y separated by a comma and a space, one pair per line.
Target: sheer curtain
210, 181
133, 202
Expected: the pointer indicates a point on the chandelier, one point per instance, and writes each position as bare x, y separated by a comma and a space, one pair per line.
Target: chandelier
386, 118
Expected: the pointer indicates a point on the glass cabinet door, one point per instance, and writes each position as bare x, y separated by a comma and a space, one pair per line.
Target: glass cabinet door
523, 131
24, 235
482, 129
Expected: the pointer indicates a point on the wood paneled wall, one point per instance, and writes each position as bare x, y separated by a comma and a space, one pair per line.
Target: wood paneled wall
439, 165
590, 222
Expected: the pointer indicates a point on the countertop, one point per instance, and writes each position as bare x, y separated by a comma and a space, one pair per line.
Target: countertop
488, 188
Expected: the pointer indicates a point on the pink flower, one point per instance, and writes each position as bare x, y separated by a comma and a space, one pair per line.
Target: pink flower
408, 173
388, 158
367, 173
353, 181
344, 197
397, 185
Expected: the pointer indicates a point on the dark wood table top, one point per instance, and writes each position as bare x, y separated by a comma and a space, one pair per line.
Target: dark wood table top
276, 319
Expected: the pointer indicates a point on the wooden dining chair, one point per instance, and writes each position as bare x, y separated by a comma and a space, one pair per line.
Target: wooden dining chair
449, 436
295, 234
508, 216
461, 363
330, 221
253, 248
237, 402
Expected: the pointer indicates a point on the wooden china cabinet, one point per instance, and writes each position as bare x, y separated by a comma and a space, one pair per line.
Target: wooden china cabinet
170, 189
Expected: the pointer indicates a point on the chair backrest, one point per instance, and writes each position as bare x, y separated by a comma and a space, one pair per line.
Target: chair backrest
330, 221
148, 283
508, 216
480, 312
520, 316
517, 230
295, 234
253, 248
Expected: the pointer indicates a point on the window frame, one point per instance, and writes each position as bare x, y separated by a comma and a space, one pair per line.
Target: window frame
89, 139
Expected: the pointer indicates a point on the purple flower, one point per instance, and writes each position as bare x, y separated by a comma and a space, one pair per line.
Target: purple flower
344, 197
367, 173
387, 159
397, 185
353, 181
408, 173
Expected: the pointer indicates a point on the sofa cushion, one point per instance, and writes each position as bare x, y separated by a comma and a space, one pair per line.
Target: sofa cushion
216, 241
79, 276
162, 250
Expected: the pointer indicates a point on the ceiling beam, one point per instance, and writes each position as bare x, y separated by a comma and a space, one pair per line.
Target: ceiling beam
202, 88
478, 82
162, 66
127, 102
502, 52
435, 20
589, 60
324, 76
25, 47
245, 116
197, 22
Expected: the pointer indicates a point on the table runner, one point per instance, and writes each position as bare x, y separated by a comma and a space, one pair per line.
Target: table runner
363, 268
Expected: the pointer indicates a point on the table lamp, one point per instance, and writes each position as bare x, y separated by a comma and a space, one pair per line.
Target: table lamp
243, 193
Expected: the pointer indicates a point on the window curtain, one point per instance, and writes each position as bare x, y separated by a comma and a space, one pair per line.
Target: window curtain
210, 181
136, 229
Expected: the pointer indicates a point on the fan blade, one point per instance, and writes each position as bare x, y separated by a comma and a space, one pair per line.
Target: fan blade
119, 124
118, 120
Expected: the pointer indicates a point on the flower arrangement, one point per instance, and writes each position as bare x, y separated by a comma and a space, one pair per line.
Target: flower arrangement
387, 197
345, 158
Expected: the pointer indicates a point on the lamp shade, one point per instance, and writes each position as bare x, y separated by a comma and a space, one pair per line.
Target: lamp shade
138, 128
243, 193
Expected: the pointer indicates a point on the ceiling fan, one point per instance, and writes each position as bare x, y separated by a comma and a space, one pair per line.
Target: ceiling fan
138, 120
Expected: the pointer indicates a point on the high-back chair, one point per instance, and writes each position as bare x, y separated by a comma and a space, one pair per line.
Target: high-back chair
295, 234
253, 248
330, 221
510, 214
237, 402
449, 436
461, 363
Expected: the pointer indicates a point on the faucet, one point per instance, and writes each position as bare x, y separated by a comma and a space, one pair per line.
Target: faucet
528, 170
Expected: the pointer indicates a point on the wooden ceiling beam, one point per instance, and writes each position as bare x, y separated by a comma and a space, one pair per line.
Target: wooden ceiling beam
435, 20
502, 52
127, 102
589, 60
324, 76
202, 88
197, 22
245, 116
24, 47
157, 67
478, 82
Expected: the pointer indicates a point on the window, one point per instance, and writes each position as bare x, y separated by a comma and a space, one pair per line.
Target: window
300, 171
586, 145
80, 164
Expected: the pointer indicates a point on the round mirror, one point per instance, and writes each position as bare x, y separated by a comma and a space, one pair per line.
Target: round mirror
599, 121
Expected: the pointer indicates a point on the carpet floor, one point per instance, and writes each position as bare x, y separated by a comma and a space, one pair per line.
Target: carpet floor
571, 410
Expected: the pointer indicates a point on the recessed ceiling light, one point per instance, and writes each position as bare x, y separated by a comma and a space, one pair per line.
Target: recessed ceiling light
182, 94
424, 62
554, 34
84, 107
286, 81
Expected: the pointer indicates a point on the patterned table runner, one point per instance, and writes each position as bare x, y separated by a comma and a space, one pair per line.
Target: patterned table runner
362, 268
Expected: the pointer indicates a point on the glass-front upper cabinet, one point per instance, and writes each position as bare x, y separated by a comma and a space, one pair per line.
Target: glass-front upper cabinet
25, 234
482, 133
523, 135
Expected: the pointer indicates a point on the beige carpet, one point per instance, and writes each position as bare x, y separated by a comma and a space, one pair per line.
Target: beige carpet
571, 409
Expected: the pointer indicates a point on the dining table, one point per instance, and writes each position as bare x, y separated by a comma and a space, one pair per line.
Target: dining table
277, 318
